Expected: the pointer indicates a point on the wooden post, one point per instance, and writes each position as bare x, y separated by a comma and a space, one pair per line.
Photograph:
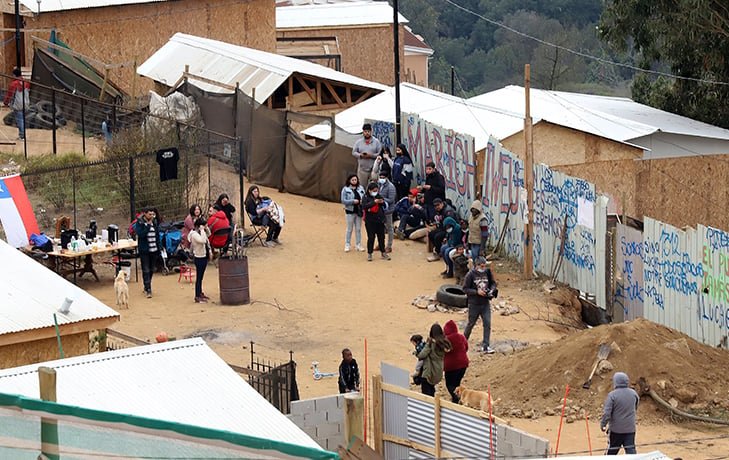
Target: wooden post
49, 427
436, 426
353, 417
103, 86
134, 83
529, 180
378, 415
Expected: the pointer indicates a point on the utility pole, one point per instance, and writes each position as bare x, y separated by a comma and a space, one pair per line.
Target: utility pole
17, 34
529, 180
396, 41
453, 81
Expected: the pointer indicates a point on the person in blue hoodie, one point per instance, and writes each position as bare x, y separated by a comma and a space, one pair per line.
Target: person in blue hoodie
618, 417
453, 239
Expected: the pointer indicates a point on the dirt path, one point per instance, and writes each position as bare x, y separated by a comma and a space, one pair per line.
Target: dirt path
310, 297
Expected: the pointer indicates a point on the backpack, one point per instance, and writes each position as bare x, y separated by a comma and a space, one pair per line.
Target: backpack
20, 97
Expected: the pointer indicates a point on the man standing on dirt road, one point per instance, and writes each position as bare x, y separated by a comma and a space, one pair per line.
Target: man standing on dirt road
618, 418
365, 150
479, 285
148, 246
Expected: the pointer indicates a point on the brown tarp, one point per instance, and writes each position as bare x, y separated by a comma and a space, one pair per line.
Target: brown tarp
275, 155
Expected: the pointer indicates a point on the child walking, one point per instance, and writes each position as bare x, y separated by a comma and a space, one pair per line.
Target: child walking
419, 344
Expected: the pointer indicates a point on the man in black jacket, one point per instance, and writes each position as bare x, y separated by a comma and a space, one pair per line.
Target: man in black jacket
348, 373
434, 187
480, 287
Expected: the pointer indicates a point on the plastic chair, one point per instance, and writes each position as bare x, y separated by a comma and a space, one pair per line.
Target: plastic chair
188, 272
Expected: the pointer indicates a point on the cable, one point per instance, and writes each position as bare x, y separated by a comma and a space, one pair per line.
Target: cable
581, 54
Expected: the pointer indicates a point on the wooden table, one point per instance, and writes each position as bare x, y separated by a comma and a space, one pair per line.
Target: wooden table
65, 257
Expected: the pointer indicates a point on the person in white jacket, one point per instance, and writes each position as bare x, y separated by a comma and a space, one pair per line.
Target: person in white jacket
200, 247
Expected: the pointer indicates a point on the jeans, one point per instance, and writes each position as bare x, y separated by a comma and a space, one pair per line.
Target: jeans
426, 388
408, 220
444, 250
148, 261
375, 229
453, 381
390, 230
20, 122
353, 221
436, 238
484, 311
200, 264
626, 440
475, 250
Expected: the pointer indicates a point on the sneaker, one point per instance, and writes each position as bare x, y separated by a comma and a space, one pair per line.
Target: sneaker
388, 250
447, 275
369, 257
488, 350
347, 248
269, 244
205, 296
433, 258
200, 300
148, 294
277, 241
400, 235
360, 248
386, 256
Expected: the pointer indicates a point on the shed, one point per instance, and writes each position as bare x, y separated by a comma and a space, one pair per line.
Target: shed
278, 81
181, 382
123, 33
30, 294
362, 29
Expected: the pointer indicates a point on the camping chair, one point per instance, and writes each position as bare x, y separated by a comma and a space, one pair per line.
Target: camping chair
229, 239
259, 232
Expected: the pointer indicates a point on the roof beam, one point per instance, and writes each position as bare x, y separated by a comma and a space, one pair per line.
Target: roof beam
334, 94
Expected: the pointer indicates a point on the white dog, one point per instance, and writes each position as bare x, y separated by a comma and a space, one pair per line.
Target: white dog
122, 290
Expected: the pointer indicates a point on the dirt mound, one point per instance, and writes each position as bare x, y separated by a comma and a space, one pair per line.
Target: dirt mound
532, 382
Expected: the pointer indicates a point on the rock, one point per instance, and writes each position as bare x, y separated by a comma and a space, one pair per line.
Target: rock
570, 419
548, 286
421, 305
685, 395
673, 402
604, 367
615, 348
431, 308
518, 413
661, 384
549, 412
680, 345
549, 391
441, 308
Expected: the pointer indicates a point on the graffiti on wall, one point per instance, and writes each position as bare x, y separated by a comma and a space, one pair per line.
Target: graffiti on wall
453, 154
384, 131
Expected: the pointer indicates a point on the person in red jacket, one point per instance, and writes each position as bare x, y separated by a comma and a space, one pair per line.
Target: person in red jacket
217, 220
18, 103
455, 362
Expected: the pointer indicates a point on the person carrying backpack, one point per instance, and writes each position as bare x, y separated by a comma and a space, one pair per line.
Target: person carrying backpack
18, 98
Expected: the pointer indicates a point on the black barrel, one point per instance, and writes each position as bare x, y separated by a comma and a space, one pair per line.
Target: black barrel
234, 283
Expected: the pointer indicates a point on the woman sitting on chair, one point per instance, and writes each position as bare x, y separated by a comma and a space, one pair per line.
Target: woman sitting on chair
264, 212
217, 223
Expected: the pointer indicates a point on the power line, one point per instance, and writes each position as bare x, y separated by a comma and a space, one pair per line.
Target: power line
582, 54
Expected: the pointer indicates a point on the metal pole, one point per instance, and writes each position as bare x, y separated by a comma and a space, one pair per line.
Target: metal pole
53, 115
131, 189
240, 181
73, 180
396, 41
453, 81
18, 26
83, 128
529, 176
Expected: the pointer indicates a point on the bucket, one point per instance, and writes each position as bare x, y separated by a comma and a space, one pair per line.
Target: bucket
234, 283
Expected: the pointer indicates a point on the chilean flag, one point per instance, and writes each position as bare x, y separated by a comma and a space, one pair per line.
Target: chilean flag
16, 212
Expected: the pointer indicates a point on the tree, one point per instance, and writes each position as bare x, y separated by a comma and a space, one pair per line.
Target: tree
690, 39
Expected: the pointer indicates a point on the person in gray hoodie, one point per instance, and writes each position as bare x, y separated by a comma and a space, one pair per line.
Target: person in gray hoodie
619, 415
389, 193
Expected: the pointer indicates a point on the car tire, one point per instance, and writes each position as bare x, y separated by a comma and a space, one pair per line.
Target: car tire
453, 295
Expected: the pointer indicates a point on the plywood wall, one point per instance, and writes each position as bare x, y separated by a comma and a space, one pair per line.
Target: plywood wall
38, 351
367, 52
129, 33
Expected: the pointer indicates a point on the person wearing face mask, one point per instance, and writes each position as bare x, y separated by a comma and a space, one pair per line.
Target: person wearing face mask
478, 230
402, 171
480, 287
365, 150
374, 206
388, 192
351, 197
454, 238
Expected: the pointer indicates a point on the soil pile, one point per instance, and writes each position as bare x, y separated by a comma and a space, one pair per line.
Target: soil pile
531, 383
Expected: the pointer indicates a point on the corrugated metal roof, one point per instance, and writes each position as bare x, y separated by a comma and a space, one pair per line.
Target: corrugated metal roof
616, 118
25, 306
47, 6
335, 15
231, 64
442, 109
181, 381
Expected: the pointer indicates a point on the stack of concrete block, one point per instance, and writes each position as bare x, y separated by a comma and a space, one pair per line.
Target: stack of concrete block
513, 442
322, 419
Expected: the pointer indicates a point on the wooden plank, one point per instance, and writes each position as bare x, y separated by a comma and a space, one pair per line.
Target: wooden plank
308, 90
364, 96
349, 95
334, 94
378, 415
318, 93
49, 426
208, 80
362, 451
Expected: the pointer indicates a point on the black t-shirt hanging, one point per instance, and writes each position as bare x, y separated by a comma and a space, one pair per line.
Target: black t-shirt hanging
167, 159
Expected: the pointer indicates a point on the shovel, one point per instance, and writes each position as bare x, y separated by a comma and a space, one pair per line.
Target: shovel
602, 354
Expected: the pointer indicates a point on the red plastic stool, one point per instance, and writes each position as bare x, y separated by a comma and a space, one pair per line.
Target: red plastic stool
187, 272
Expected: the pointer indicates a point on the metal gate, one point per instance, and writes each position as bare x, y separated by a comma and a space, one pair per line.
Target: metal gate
275, 382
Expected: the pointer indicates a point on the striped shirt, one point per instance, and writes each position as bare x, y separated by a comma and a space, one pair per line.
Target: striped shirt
152, 238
